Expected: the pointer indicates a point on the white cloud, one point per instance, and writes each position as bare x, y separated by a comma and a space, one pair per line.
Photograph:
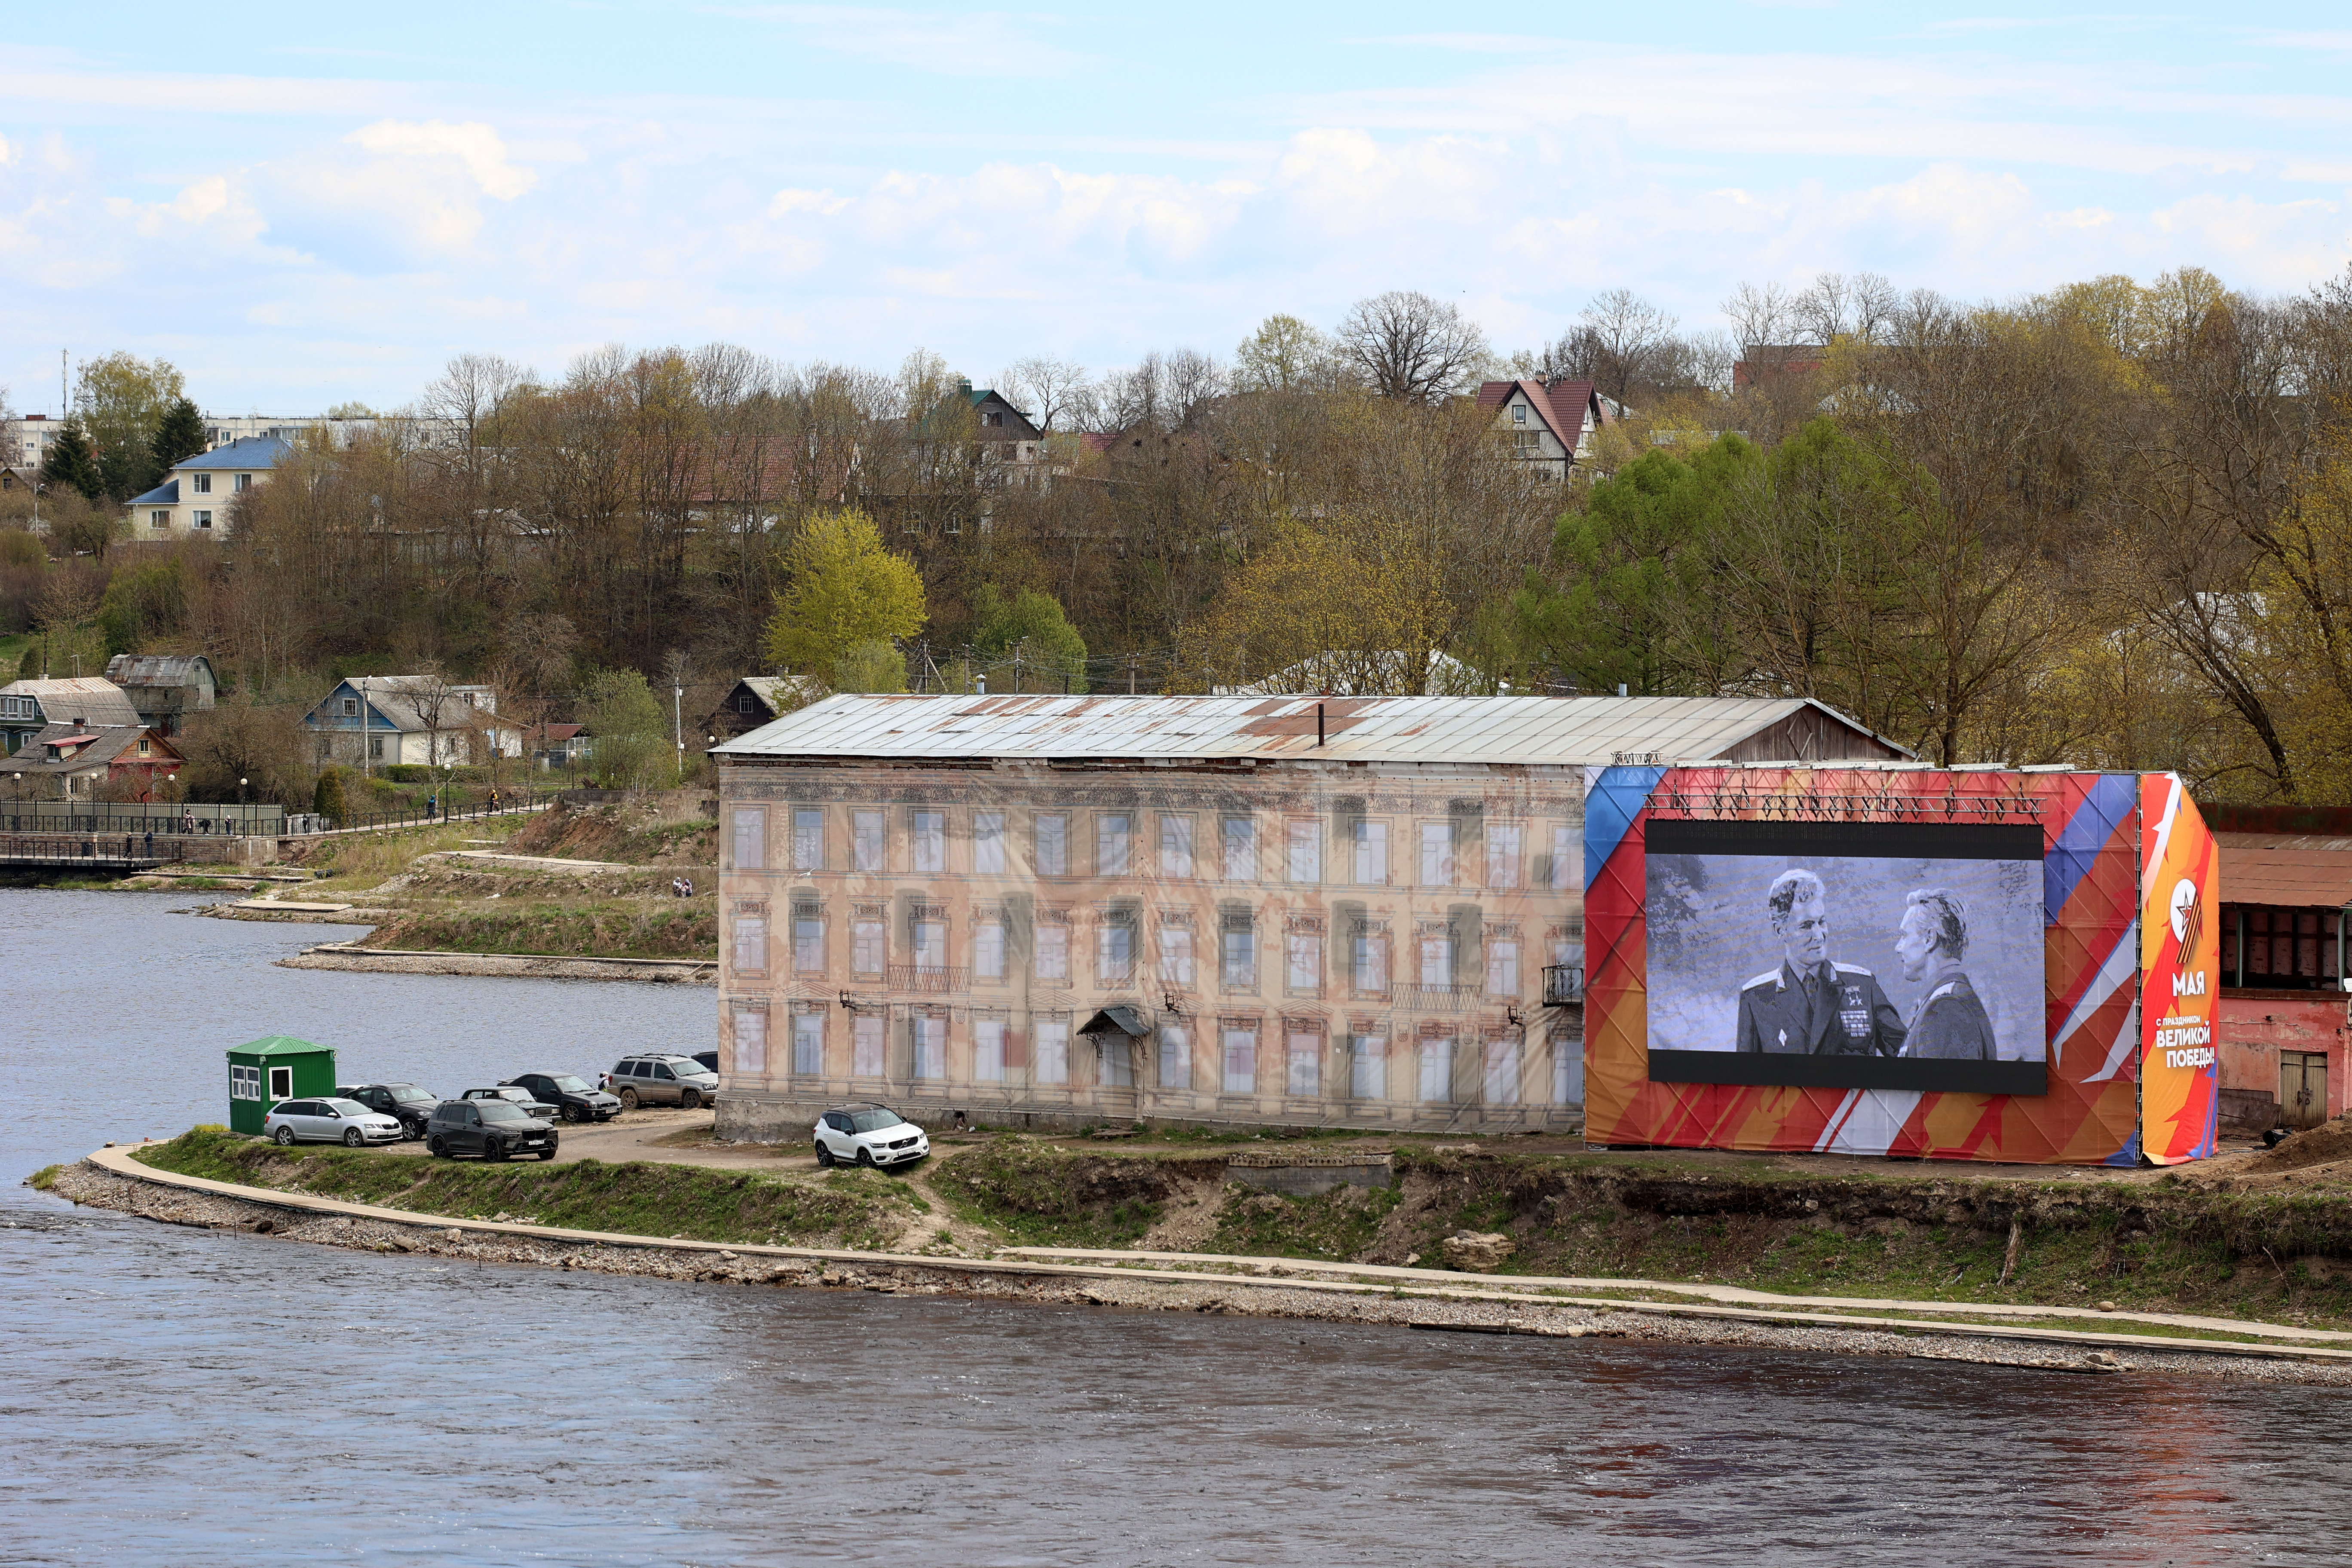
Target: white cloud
476, 146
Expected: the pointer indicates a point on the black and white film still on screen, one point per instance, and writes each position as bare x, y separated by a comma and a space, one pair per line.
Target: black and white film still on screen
1847, 955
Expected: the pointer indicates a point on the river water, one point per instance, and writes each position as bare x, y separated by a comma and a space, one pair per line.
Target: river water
186, 1397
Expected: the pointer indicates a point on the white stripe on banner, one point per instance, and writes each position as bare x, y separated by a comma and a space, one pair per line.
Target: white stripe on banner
1866, 1120
2126, 1042
2121, 969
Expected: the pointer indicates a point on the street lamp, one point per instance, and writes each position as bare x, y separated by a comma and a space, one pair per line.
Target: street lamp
240, 808
677, 722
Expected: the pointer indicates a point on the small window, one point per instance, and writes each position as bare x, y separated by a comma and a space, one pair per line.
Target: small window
1372, 846
1111, 835
1503, 855
1241, 849
750, 945
1114, 955
746, 704
987, 842
1053, 845
1175, 956
244, 482
1240, 968
1306, 846
751, 823
808, 1042
930, 829
865, 839
159, 518
1436, 854
1518, 413
1241, 1061
867, 947
202, 484
751, 1043
1175, 846
200, 520
988, 950
992, 418
1053, 953
350, 706
808, 942
808, 838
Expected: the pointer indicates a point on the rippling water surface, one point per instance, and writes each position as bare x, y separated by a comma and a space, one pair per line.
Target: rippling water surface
178, 1397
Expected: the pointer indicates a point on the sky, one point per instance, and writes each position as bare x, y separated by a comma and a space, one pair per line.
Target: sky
301, 205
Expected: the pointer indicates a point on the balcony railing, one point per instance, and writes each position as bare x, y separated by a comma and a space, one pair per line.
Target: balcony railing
1563, 984
1438, 998
929, 977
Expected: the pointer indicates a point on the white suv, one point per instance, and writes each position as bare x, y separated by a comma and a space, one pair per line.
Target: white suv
868, 1136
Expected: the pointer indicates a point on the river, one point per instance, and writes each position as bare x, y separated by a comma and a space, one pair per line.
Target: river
189, 1397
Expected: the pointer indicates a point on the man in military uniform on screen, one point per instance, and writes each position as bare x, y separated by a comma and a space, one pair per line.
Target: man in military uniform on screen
1812, 1006
1950, 1023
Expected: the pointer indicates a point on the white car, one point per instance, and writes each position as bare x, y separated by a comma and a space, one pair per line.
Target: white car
868, 1136
345, 1121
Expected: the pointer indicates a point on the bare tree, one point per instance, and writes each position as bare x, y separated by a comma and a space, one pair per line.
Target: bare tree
1412, 348
1626, 334
1760, 314
1863, 307
1051, 391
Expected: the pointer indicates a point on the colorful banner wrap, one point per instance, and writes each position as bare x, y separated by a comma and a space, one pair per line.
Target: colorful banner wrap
2179, 975
1944, 967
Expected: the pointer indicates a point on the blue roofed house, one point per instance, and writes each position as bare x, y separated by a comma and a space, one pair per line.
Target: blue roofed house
193, 501
378, 721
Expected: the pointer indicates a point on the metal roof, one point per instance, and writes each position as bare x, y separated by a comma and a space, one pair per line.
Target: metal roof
1567, 730
245, 452
77, 699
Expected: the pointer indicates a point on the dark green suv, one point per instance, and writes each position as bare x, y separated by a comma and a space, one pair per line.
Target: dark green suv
494, 1129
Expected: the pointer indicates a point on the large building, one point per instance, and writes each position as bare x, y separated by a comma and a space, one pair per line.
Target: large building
1056, 910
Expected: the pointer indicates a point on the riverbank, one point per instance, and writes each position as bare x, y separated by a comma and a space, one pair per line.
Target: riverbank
862, 1230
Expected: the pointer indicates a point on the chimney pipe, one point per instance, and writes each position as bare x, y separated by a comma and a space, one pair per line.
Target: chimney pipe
1318, 723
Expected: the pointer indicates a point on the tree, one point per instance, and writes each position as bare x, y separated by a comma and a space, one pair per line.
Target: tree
327, 798
1029, 634
871, 666
122, 401
70, 463
1624, 337
1284, 354
1633, 565
847, 587
179, 435
1411, 347
143, 601
1343, 605
631, 732
239, 739
1053, 392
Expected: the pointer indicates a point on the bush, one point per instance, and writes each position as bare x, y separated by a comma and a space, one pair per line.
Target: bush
327, 799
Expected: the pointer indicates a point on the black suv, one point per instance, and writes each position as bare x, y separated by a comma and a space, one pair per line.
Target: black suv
578, 1100
404, 1102
494, 1129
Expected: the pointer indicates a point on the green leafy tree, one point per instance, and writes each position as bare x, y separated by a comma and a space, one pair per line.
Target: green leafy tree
145, 601
1029, 628
871, 666
629, 728
327, 798
122, 401
1633, 572
847, 587
70, 463
179, 435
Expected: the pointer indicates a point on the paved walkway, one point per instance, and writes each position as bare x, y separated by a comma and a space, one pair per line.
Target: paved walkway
1429, 1283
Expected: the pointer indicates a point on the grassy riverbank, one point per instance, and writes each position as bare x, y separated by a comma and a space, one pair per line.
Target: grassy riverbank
845, 1208
2160, 1245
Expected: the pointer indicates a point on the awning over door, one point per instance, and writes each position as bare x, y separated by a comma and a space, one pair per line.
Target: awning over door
2292, 870
1124, 1020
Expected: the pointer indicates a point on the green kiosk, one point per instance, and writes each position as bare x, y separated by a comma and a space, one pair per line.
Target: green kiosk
263, 1072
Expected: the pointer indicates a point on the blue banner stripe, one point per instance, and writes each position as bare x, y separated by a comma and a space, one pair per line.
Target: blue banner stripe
1610, 808
2109, 805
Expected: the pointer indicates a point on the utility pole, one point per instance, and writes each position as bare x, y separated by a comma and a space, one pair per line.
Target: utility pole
677, 722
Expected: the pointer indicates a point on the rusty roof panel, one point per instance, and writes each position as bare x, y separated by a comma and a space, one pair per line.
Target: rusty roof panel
1563, 730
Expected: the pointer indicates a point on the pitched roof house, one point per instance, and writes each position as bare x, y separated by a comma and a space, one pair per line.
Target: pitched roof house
85, 758
86, 701
193, 501
1550, 422
756, 700
164, 688
381, 721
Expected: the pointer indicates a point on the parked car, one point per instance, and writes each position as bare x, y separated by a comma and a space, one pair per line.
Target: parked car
706, 1060
522, 1098
575, 1097
868, 1136
404, 1102
494, 1129
661, 1078
345, 1121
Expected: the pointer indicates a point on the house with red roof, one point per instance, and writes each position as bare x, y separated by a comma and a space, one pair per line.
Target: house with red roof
1550, 423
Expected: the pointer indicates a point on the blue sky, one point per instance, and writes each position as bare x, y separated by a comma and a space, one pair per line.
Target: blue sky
303, 205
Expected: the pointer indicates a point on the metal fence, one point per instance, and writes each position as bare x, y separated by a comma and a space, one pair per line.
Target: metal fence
100, 848
507, 803
135, 816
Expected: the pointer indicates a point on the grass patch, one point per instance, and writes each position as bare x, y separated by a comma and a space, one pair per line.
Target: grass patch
44, 1179
1340, 1224
636, 1199
361, 860
1040, 1195
647, 927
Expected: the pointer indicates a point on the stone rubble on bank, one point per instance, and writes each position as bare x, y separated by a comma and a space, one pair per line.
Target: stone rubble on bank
88, 1184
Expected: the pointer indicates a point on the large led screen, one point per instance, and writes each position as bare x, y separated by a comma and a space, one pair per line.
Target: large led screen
1847, 955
